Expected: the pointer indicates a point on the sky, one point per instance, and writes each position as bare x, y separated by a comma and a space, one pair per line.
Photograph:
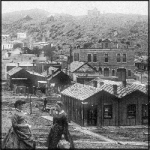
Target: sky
77, 8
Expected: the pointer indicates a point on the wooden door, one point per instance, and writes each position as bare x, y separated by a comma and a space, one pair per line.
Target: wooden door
144, 114
92, 116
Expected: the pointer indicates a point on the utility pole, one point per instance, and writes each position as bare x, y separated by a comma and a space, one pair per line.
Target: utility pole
30, 105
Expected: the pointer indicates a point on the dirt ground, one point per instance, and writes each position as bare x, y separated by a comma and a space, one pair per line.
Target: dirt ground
40, 126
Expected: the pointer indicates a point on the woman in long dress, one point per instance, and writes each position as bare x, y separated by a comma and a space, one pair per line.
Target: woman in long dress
19, 135
59, 128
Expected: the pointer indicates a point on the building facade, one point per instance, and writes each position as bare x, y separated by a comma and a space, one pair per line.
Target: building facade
111, 105
109, 60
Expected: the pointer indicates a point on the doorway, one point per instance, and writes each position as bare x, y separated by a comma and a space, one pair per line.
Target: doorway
121, 74
92, 116
144, 114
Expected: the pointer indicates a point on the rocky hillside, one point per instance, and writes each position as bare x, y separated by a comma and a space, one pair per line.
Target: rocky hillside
65, 29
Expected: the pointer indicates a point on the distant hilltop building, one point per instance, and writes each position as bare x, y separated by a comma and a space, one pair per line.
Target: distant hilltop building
21, 35
5, 37
93, 13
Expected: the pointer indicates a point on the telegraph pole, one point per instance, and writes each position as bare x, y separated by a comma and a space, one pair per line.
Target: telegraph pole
30, 105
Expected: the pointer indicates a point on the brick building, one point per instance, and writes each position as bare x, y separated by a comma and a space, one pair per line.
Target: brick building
109, 59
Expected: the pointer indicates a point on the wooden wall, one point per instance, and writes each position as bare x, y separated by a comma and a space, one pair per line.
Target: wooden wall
137, 98
74, 108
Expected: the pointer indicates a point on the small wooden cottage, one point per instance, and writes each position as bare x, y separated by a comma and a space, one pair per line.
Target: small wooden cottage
110, 105
59, 79
82, 72
21, 77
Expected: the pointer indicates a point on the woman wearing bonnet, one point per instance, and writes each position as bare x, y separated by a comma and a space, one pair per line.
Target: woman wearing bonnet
19, 135
58, 129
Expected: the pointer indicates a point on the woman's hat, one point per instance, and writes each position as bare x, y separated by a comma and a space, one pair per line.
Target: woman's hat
19, 102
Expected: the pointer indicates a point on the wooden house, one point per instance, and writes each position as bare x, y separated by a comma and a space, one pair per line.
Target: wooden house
110, 105
59, 79
21, 77
82, 72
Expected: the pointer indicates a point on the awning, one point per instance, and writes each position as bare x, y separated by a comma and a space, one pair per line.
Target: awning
19, 78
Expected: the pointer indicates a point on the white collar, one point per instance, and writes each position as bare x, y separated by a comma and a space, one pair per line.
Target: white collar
61, 112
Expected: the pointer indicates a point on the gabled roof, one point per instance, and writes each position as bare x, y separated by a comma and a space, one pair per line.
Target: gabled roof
75, 65
14, 70
55, 74
50, 71
80, 91
123, 91
35, 73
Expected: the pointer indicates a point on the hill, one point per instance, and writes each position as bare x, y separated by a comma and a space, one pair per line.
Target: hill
65, 29
33, 13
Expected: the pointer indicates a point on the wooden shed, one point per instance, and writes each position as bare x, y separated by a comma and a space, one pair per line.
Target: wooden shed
21, 77
59, 79
110, 105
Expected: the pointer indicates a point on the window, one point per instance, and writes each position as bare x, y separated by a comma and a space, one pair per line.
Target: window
129, 73
106, 72
118, 58
89, 57
94, 58
113, 72
106, 45
76, 56
144, 110
131, 111
100, 70
124, 57
106, 57
95, 83
107, 111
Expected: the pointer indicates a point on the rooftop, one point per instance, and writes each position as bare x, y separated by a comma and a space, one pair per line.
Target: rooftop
123, 91
14, 70
35, 73
80, 91
75, 65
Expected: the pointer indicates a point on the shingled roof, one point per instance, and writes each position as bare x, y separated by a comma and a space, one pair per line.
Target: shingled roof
123, 91
80, 91
14, 70
75, 65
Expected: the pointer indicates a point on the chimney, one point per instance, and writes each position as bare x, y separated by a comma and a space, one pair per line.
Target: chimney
115, 89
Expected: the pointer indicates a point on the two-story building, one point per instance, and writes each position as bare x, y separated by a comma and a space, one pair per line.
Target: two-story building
109, 59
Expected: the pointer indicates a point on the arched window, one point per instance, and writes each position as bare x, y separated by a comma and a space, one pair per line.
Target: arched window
113, 72
106, 72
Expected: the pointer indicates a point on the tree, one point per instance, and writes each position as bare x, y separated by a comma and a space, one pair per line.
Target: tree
87, 45
36, 51
49, 51
26, 50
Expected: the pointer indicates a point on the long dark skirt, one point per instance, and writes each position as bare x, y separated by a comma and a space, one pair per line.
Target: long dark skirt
12, 141
55, 136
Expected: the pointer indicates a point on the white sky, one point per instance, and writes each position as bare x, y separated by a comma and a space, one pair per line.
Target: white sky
78, 8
